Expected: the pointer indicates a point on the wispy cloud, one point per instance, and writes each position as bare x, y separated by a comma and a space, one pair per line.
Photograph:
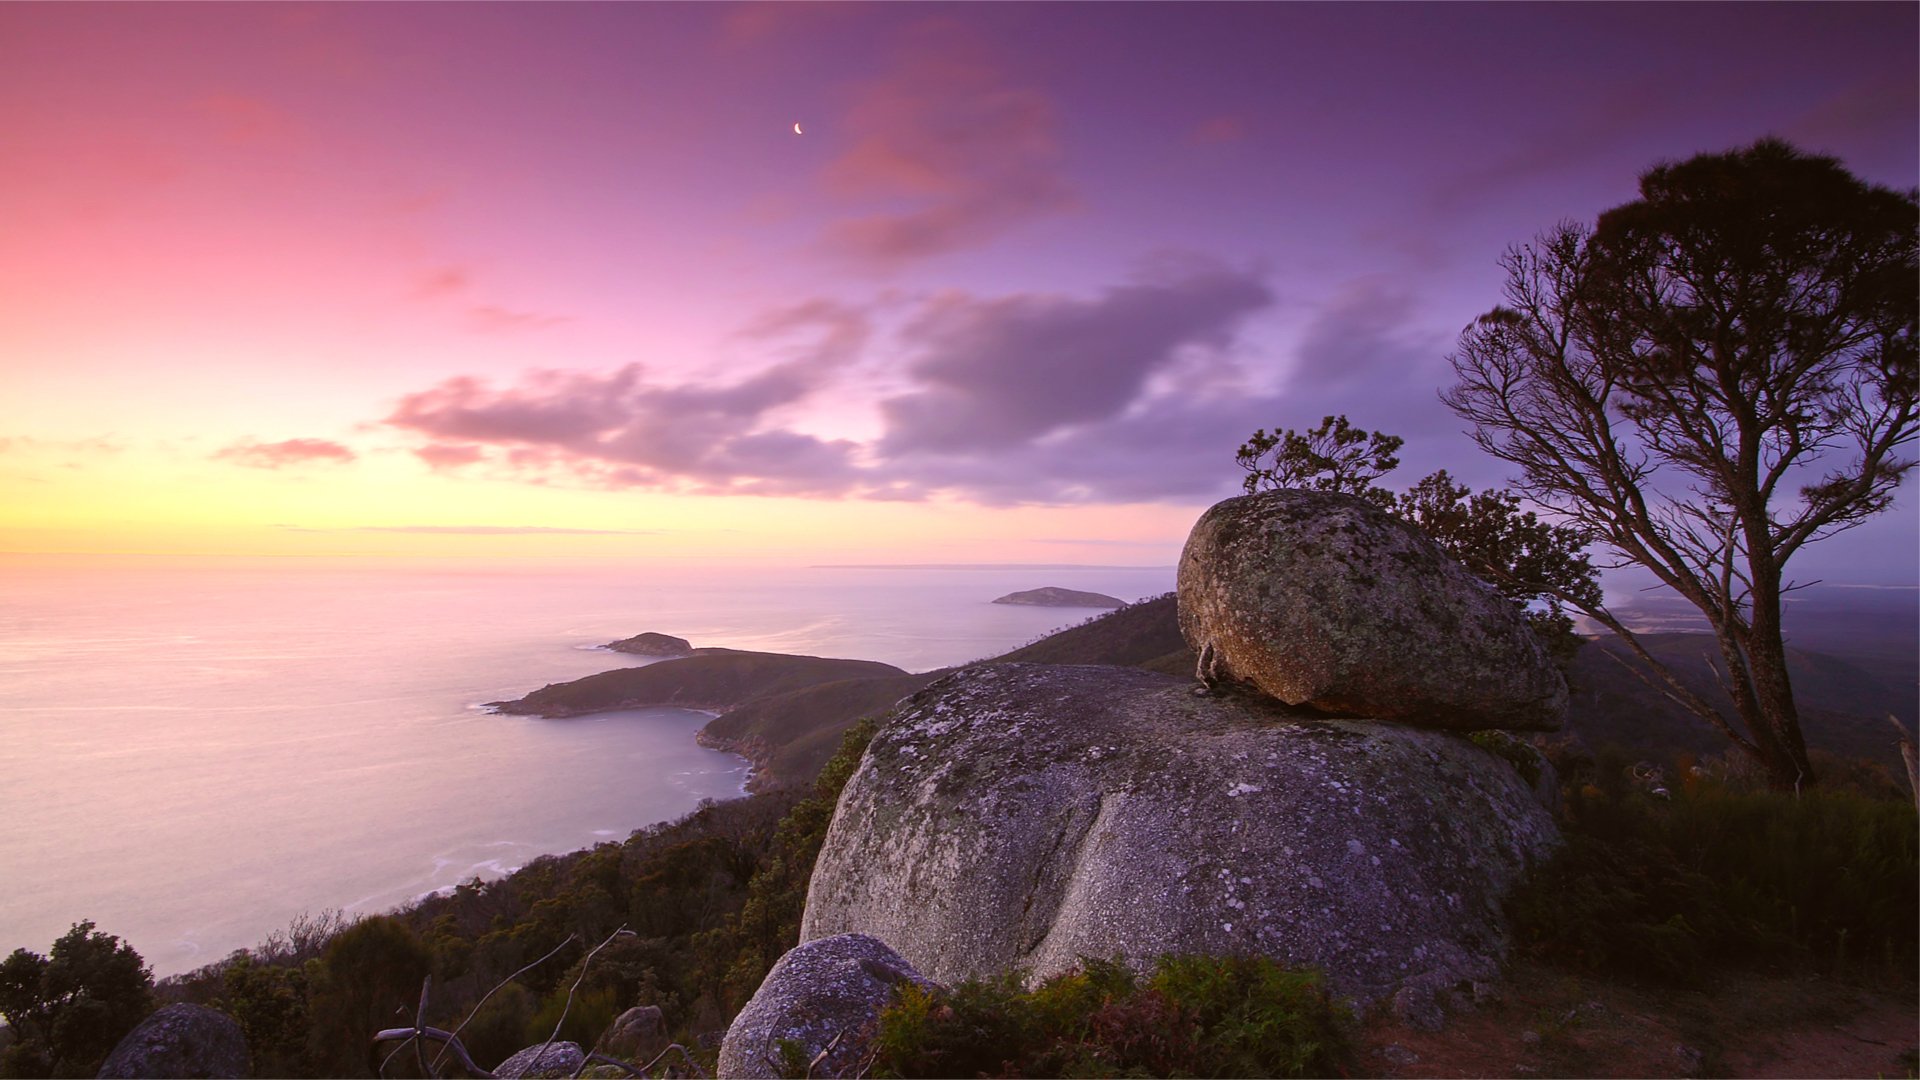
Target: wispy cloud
473, 530
1006, 371
951, 152
1025, 397
494, 319
443, 456
288, 452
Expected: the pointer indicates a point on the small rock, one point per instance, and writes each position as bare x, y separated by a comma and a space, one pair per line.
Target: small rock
1395, 1054
543, 1060
181, 1040
822, 996
637, 1035
1326, 600
1530, 1038
1419, 1008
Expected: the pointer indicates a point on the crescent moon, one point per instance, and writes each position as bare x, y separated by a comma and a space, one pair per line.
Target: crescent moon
797, 131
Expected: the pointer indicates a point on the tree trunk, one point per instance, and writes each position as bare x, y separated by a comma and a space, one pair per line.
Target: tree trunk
1788, 768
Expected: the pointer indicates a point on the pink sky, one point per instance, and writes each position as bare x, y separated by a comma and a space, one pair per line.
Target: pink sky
512, 280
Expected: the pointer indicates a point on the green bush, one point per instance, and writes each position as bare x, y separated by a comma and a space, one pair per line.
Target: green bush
742, 952
69, 1008
1665, 887
1194, 1016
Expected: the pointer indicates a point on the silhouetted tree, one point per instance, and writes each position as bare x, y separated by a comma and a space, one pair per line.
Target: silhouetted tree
69, 1008
1667, 379
1336, 456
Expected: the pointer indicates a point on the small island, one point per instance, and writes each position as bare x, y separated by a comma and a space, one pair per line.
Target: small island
651, 644
1051, 596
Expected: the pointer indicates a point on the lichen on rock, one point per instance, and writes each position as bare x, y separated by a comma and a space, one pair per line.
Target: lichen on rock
1325, 600
1020, 817
818, 1005
181, 1040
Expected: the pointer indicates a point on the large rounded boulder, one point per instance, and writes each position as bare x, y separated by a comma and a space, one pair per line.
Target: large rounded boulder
1325, 600
181, 1040
1021, 817
815, 1012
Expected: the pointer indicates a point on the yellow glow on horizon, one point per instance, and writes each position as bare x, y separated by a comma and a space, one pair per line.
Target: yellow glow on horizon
78, 500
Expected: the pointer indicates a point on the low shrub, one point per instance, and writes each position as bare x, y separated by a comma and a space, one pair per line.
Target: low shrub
1193, 1016
1665, 886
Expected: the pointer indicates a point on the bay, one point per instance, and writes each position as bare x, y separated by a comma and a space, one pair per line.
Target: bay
194, 752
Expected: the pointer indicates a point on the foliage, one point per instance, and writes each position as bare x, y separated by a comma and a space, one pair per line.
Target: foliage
1706, 876
1665, 378
270, 1002
1336, 456
368, 978
1194, 1016
712, 900
68, 1009
1528, 560
769, 921
1537, 565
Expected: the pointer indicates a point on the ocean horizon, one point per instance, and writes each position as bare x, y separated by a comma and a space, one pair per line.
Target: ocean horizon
200, 751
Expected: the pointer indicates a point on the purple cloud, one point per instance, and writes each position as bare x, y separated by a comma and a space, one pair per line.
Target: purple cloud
1130, 395
288, 452
998, 373
621, 429
968, 154
442, 456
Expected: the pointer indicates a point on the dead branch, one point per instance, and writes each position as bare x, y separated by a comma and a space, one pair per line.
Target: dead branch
585, 963
452, 1043
1908, 755
475, 1011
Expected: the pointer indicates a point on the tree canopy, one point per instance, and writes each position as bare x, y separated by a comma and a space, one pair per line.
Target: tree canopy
68, 1009
1705, 381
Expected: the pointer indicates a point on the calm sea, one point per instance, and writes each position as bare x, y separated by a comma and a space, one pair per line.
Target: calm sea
193, 754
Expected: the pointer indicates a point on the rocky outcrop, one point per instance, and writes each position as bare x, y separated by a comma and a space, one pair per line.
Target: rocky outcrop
716, 679
181, 1041
651, 644
1325, 600
821, 998
1051, 596
543, 1059
1020, 817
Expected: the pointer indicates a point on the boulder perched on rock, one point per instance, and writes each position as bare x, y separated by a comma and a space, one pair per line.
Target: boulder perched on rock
181, 1041
1325, 600
543, 1059
652, 644
1020, 817
821, 996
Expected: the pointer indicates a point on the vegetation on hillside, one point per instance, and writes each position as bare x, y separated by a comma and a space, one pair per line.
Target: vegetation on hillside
711, 900
1703, 875
1193, 1016
1707, 874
